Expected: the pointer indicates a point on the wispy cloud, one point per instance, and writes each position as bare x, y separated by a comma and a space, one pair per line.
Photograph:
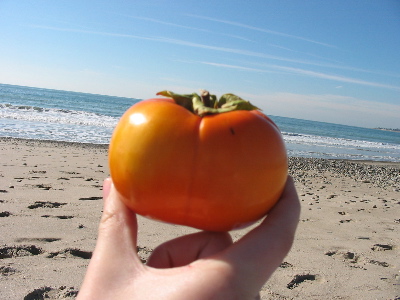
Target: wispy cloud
186, 43
234, 67
256, 54
244, 53
337, 77
230, 35
165, 23
304, 72
239, 68
268, 31
188, 27
327, 108
93, 32
233, 50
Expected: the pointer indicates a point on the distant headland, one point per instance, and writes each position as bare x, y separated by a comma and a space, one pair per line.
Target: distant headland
388, 129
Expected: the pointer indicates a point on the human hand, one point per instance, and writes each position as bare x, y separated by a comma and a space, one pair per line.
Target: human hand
203, 265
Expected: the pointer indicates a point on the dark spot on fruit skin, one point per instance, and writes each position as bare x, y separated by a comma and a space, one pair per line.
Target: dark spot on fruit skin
232, 131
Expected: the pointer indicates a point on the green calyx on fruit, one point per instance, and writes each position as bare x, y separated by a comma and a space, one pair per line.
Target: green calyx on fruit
206, 104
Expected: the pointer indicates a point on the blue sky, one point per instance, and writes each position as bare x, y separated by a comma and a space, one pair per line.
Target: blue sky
333, 61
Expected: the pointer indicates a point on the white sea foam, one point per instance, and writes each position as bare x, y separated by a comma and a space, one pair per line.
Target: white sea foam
54, 115
335, 142
34, 113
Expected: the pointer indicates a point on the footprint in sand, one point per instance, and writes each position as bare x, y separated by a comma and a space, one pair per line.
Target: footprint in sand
379, 263
47, 292
381, 247
91, 198
71, 173
30, 240
347, 255
299, 279
346, 221
46, 204
37, 172
18, 251
58, 217
353, 258
285, 265
7, 271
71, 252
43, 186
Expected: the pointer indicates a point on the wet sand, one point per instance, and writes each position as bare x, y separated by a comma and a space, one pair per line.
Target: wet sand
346, 247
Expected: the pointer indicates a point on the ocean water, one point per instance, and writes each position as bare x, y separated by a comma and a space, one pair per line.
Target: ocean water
36, 113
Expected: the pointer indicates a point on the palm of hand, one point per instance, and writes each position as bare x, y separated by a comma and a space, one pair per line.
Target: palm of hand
204, 265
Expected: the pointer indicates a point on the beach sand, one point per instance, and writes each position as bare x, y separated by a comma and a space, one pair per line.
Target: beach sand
346, 247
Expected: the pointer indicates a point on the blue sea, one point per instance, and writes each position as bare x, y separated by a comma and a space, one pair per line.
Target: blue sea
37, 113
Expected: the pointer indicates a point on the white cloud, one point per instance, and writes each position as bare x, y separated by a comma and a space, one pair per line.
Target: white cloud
328, 108
189, 44
268, 31
188, 27
336, 77
267, 69
244, 53
236, 67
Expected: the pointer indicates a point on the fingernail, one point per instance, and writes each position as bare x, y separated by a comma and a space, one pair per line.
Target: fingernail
106, 187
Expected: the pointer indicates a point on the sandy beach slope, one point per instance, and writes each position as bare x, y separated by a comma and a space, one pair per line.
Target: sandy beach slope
347, 245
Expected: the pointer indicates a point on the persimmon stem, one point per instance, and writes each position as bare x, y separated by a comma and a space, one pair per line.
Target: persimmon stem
206, 104
205, 98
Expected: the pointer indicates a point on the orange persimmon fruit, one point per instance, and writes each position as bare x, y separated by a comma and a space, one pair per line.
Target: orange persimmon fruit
197, 161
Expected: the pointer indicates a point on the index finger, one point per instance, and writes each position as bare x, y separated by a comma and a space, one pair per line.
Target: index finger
260, 252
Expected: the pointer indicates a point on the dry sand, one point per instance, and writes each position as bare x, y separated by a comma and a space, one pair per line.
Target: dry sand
347, 243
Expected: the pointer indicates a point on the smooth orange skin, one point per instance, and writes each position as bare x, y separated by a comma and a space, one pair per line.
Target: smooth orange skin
217, 172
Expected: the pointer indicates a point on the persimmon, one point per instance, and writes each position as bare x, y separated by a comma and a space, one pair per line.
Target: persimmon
197, 161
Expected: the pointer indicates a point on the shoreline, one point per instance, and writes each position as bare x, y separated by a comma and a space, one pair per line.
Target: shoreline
380, 173
346, 246
105, 146
55, 143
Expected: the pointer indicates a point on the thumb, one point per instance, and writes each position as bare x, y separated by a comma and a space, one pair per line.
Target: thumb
106, 188
115, 257
117, 235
